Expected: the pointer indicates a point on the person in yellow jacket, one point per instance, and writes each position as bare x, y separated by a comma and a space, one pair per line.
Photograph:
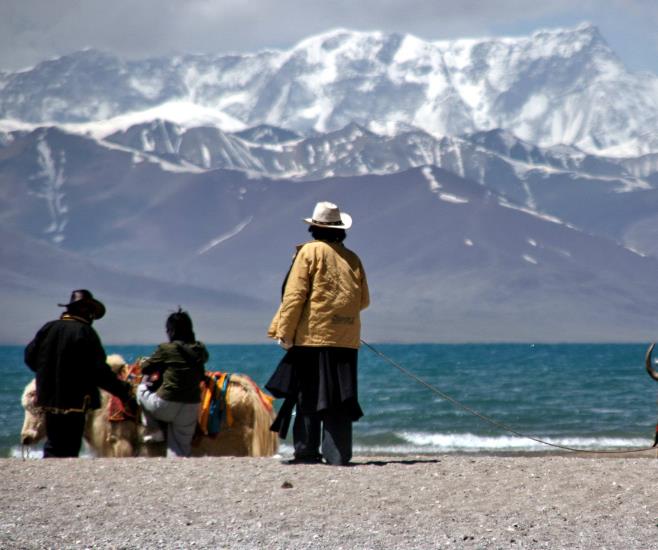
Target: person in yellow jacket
318, 323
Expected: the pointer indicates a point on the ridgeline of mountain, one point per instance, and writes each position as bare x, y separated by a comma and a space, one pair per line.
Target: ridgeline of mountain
562, 86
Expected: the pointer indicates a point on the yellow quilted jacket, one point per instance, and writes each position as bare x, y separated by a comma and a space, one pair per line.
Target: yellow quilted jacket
324, 295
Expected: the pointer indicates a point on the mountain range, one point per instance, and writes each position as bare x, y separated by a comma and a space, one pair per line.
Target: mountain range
502, 189
562, 86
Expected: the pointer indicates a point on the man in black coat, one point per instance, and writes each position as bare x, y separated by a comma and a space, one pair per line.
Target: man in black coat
69, 361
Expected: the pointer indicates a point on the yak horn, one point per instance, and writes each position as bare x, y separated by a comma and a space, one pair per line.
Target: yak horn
647, 362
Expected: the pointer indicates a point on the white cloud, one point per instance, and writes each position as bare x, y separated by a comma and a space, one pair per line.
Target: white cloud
31, 30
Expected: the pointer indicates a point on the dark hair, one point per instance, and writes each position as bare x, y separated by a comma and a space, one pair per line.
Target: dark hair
327, 235
179, 327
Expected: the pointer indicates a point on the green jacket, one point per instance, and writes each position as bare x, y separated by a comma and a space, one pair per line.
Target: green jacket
182, 367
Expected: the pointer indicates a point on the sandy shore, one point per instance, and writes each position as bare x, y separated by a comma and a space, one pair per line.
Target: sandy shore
387, 502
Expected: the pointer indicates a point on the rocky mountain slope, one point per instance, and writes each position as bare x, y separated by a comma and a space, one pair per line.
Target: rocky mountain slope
448, 258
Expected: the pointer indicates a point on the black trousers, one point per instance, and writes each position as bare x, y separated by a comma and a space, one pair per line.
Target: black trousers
331, 432
321, 383
63, 435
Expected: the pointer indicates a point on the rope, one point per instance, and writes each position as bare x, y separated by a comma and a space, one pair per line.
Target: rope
489, 420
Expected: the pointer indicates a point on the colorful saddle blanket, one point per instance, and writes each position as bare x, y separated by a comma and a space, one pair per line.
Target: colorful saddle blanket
215, 406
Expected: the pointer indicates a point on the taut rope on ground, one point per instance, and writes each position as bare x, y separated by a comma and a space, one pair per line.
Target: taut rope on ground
489, 420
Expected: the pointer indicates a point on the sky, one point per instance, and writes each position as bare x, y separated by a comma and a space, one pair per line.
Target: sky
35, 30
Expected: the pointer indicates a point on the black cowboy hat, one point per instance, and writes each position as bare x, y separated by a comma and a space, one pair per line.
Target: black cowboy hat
83, 296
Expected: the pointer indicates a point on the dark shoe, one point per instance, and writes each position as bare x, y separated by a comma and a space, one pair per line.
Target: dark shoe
305, 460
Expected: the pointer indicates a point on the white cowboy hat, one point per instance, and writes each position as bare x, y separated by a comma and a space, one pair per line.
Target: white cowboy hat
327, 214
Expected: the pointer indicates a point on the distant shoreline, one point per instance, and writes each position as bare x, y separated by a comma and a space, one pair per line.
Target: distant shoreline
383, 456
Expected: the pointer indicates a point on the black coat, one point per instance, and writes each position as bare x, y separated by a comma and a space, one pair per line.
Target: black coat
69, 361
317, 380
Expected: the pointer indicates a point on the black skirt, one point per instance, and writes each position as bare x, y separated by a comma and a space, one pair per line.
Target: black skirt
320, 380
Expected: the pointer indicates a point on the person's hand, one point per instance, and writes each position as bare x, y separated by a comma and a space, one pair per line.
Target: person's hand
285, 344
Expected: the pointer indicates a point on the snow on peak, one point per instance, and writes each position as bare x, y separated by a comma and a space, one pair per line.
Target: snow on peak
182, 113
554, 87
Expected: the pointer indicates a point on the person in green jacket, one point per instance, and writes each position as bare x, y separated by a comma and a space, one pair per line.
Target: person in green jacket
179, 367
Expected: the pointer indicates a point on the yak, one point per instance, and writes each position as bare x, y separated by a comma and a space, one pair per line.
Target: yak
108, 436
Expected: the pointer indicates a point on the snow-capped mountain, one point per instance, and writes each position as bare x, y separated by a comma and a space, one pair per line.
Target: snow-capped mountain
355, 150
605, 196
554, 87
600, 195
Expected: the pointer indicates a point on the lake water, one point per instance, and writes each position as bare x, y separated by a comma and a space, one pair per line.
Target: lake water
590, 396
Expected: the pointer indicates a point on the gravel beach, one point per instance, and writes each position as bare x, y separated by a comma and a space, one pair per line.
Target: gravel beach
405, 502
